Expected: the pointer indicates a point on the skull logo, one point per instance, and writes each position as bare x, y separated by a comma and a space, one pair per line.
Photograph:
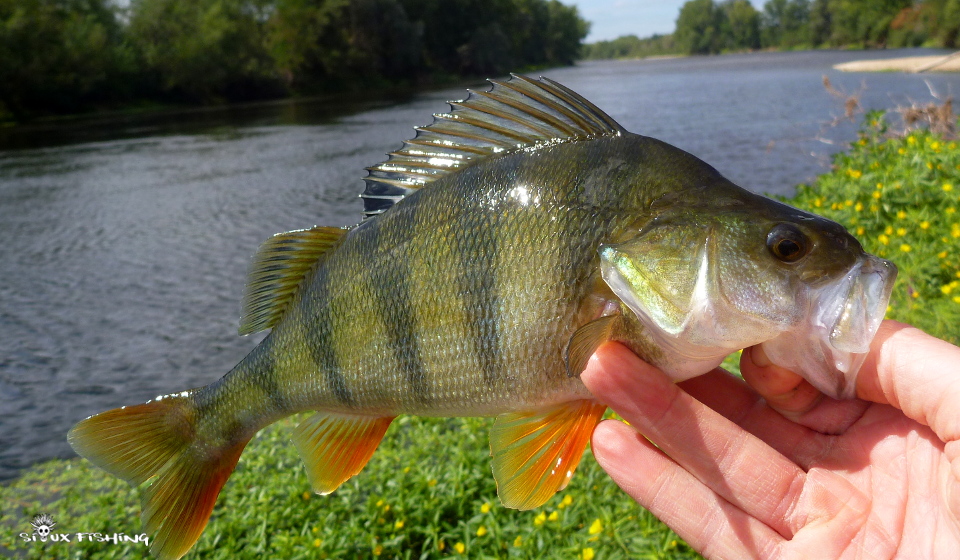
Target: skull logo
42, 524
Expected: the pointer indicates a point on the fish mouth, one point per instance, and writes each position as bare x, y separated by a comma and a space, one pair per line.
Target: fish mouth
843, 317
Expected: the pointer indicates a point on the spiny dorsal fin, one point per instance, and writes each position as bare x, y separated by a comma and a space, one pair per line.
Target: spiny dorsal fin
516, 114
278, 270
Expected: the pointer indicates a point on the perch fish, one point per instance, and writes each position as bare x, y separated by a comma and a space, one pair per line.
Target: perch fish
501, 246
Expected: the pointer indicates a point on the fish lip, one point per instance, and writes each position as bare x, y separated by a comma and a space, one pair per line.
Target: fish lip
830, 347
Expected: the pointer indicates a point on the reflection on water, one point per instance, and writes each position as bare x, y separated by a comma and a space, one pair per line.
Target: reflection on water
125, 242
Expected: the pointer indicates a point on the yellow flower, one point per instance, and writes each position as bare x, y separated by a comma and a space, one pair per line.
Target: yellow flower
947, 187
942, 254
924, 225
567, 500
901, 231
858, 207
460, 547
386, 507
935, 146
860, 230
946, 289
848, 202
911, 140
854, 173
951, 210
539, 519
317, 543
518, 541
879, 186
884, 239
406, 469
956, 299
306, 495
587, 553
914, 294
398, 524
901, 215
485, 508
554, 516
901, 151
432, 482
905, 248
596, 527
817, 202
889, 230
876, 194
379, 503
378, 550
481, 531
929, 165
441, 545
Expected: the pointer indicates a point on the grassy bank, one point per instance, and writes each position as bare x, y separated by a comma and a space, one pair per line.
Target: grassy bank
428, 491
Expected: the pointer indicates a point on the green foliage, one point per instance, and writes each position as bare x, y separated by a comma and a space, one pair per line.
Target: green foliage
204, 49
700, 27
708, 27
631, 46
59, 56
62, 56
899, 195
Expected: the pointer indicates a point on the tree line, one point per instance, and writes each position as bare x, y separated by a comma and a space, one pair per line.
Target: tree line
709, 27
67, 56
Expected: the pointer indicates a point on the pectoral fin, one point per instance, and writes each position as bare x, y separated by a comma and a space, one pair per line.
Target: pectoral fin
535, 453
585, 342
335, 447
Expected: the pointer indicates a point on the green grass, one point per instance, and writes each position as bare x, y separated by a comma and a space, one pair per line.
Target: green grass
428, 492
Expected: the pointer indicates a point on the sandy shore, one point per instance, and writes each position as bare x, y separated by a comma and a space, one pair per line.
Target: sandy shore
949, 63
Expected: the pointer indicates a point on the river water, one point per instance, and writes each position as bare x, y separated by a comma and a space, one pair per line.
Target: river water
125, 241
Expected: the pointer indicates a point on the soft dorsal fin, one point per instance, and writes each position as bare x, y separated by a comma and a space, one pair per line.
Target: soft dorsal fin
278, 270
517, 114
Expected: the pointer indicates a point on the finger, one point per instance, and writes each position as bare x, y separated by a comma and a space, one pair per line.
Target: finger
917, 373
730, 461
710, 524
795, 398
737, 402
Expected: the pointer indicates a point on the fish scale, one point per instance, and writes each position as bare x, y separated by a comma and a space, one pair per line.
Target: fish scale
501, 247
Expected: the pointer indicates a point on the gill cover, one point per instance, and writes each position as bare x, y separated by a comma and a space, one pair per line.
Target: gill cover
666, 277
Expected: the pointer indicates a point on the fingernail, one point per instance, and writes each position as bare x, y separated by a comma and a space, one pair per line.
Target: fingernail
759, 357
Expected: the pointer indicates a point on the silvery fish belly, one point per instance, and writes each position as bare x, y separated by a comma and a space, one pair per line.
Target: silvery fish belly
499, 248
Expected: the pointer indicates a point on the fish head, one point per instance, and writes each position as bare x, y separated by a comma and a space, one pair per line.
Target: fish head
706, 279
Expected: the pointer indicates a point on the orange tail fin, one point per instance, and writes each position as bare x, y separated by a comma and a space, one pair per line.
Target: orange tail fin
155, 445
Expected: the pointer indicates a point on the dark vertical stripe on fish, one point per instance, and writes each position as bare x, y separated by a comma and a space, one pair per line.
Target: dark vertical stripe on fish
477, 250
395, 308
320, 339
264, 377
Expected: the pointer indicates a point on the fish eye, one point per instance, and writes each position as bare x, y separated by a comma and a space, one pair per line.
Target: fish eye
787, 243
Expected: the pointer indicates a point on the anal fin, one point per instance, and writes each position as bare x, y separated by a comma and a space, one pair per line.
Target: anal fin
535, 453
336, 446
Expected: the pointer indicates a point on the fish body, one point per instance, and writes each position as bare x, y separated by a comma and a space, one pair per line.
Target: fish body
506, 243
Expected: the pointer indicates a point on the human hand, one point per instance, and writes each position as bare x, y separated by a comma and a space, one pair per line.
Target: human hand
784, 471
